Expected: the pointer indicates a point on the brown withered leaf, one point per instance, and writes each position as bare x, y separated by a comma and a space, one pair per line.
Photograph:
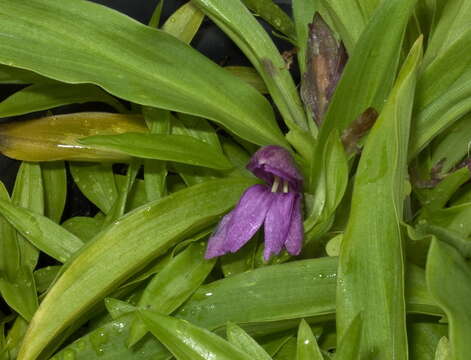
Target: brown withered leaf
357, 129
326, 58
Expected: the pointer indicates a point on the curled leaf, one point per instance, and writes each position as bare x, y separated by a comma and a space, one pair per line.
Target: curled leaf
53, 138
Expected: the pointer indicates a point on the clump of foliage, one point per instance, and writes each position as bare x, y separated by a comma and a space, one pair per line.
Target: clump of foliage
375, 162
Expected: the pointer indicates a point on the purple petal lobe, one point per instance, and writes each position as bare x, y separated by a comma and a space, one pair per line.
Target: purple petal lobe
217, 244
248, 216
277, 222
273, 160
294, 239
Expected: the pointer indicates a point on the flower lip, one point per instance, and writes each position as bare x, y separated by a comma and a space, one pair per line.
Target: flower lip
273, 160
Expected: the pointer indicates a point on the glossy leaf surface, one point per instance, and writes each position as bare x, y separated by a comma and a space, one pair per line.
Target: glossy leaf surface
376, 288
154, 70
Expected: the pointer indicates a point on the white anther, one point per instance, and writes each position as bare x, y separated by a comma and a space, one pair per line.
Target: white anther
285, 186
275, 185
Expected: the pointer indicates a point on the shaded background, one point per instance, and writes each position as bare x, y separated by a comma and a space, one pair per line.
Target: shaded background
209, 40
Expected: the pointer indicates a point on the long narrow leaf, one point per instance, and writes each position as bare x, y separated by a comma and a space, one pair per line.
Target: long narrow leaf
240, 25
448, 277
178, 148
41, 231
121, 250
131, 61
49, 95
175, 335
376, 287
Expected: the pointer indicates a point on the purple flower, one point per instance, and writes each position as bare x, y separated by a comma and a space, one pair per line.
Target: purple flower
277, 205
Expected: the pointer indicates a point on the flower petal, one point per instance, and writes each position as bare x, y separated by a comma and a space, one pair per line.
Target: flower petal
294, 239
217, 244
270, 161
277, 223
248, 216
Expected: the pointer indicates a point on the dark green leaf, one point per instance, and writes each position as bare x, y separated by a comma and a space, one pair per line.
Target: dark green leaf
55, 189
97, 183
85, 228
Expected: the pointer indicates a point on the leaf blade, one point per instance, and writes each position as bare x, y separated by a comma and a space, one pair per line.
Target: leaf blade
150, 75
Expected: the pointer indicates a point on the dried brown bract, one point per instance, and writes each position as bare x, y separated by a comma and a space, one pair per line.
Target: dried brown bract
326, 58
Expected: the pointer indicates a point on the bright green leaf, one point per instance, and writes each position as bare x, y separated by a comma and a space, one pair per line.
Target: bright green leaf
140, 64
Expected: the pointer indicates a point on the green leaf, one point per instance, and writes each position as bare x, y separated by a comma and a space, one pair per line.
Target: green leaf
45, 96
453, 145
155, 172
442, 93
304, 289
307, 344
172, 286
274, 343
303, 13
42, 232
239, 24
119, 207
423, 339
16, 278
228, 302
336, 173
132, 242
438, 197
45, 276
455, 218
11, 75
376, 287
448, 277
348, 20
250, 76
29, 194
141, 64
184, 23
55, 189
137, 195
199, 129
15, 336
85, 228
271, 13
240, 261
97, 183
453, 22
288, 351
244, 342
108, 343
175, 334
350, 345
155, 18
178, 148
